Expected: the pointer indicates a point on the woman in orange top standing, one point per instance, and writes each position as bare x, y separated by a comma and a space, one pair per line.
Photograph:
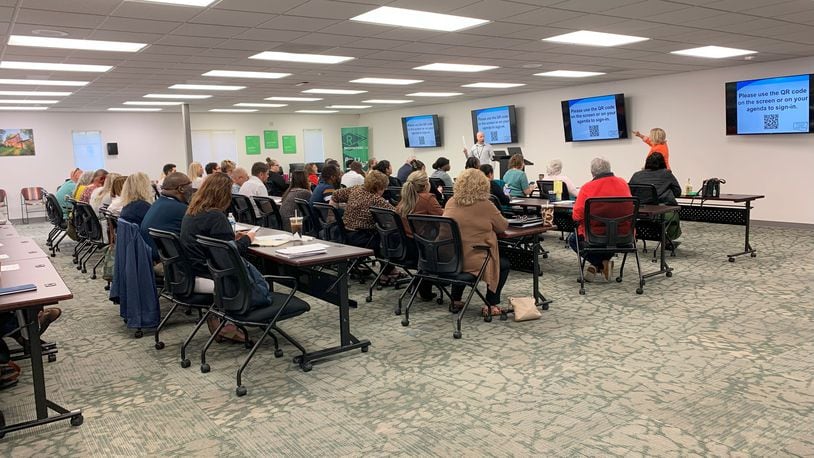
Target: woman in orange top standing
657, 142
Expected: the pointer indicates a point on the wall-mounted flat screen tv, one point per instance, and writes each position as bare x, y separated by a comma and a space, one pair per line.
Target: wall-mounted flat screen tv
422, 131
498, 124
779, 105
594, 118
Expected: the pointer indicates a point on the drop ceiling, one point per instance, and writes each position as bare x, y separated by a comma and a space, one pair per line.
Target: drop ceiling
185, 42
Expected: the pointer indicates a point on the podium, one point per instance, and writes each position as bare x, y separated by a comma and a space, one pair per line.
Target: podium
503, 161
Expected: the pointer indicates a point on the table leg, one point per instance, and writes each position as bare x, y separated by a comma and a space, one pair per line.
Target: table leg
747, 248
539, 299
663, 267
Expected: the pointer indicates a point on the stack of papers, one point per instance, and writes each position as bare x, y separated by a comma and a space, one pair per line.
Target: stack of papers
272, 240
525, 221
303, 250
516, 201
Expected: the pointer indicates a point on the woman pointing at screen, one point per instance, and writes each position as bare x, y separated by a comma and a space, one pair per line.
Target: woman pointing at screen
657, 142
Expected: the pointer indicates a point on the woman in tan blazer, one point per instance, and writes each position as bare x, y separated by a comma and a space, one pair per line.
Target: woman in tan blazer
479, 222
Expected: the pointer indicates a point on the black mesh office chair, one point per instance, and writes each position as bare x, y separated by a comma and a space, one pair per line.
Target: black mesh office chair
610, 224
57, 219
310, 223
546, 188
233, 292
440, 260
90, 230
394, 248
332, 229
243, 209
650, 229
269, 212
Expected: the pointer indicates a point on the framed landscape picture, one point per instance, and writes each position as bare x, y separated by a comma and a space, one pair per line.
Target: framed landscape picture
16, 142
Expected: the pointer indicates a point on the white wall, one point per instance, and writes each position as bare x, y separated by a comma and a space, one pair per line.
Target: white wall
689, 106
146, 142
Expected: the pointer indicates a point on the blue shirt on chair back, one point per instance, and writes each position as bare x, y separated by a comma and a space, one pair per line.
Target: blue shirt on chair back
165, 214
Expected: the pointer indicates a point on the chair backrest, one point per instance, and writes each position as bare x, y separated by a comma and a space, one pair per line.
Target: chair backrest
90, 227
332, 228
112, 225
394, 195
179, 280
243, 209
233, 289
33, 193
438, 240
269, 211
54, 211
310, 223
392, 236
646, 193
610, 221
434, 184
547, 186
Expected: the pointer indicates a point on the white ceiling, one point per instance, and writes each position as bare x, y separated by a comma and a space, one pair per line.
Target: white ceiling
188, 41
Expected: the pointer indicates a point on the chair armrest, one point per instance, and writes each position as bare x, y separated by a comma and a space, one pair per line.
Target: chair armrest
285, 280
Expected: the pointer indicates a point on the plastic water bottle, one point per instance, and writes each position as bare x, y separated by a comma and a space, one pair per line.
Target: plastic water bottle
688, 188
232, 222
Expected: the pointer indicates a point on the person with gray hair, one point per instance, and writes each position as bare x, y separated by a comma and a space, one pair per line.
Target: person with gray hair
603, 184
554, 173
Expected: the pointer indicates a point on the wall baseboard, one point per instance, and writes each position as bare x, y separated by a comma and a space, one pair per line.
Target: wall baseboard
782, 224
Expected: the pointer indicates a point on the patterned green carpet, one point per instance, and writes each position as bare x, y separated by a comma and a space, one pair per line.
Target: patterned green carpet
717, 360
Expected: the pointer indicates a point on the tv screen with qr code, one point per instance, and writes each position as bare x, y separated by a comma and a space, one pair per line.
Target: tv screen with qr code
498, 124
594, 118
422, 131
777, 105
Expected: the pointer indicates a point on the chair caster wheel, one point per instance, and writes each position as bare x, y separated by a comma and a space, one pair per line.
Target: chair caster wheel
306, 366
241, 390
405, 323
456, 335
159, 345
439, 301
205, 368
487, 318
139, 334
545, 256
52, 358
731, 259
639, 290
93, 277
185, 363
278, 353
107, 287
397, 312
504, 317
669, 274
369, 299
545, 307
365, 349
753, 255
77, 420
378, 287
618, 279
248, 344
581, 291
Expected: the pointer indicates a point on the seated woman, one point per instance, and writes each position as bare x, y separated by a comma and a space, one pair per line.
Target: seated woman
554, 173
196, 173
441, 167
656, 173
115, 206
494, 187
137, 196
299, 188
328, 183
101, 196
416, 199
311, 169
472, 163
472, 198
515, 178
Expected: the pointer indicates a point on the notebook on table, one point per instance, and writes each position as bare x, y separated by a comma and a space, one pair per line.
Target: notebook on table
18, 289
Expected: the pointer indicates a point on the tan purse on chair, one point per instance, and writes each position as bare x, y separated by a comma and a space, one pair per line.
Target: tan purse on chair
525, 309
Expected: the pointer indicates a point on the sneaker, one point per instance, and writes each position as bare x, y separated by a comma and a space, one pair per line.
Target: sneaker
590, 274
48, 316
607, 270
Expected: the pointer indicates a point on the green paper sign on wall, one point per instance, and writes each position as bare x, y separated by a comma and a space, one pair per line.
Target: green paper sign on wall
289, 144
252, 144
270, 139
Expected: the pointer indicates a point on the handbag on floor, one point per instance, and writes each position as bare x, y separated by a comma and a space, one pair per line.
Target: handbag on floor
525, 309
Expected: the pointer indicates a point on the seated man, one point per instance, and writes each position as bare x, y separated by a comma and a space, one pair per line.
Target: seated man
167, 212
238, 176
256, 185
604, 184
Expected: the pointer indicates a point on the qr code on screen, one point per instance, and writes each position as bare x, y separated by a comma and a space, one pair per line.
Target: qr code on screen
420, 139
771, 121
593, 131
493, 136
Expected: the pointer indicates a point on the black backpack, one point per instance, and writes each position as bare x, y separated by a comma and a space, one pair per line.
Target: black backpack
712, 187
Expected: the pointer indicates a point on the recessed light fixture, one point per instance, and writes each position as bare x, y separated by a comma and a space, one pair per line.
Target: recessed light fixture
180, 2
23, 108
434, 94
35, 93
177, 96
386, 101
494, 85
133, 109
49, 33
262, 105
333, 91
393, 81
153, 103
569, 74
303, 58
43, 82
317, 111
348, 107
402, 17
7, 64
71, 43
713, 52
440, 67
590, 38
206, 87
294, 99
232, 110
241, 74
30, 102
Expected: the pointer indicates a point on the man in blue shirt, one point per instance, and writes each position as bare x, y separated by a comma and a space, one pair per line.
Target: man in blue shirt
167, 212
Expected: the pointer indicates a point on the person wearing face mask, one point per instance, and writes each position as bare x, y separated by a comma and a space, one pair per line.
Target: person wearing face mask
167, 212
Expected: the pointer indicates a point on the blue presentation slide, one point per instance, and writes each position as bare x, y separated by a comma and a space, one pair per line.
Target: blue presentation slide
421, 131
773, 105
594, 118
495, 124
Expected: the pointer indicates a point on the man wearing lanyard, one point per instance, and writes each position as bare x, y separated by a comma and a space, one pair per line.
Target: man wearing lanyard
481, 150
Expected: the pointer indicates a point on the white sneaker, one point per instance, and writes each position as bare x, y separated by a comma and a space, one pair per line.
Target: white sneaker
589, 274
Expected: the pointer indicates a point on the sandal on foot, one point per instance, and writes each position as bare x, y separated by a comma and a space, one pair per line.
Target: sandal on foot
494, 309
